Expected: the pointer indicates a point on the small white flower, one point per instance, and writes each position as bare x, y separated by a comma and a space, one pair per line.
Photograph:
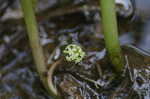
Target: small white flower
74, 53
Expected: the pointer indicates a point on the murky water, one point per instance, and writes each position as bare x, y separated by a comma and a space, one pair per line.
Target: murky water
94, 77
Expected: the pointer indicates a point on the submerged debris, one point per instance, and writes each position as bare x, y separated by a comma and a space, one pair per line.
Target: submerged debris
141, 83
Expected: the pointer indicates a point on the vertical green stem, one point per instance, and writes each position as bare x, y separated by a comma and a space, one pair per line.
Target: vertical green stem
110, 30
34, 3
34, 39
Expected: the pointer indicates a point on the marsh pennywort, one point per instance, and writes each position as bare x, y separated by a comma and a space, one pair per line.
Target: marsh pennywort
74, 53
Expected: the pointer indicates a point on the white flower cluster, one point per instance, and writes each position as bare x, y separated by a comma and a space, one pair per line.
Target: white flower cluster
74, 53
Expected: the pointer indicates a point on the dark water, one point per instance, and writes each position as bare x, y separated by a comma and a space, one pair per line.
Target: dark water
94, 78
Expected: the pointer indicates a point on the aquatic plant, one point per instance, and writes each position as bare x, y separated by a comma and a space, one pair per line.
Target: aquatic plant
74, 53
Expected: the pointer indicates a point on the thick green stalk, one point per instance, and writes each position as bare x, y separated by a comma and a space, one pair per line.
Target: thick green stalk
110, 30
34, 3
34, 39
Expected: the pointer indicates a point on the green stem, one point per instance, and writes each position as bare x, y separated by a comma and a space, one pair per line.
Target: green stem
34, 39
110, 30
34, 3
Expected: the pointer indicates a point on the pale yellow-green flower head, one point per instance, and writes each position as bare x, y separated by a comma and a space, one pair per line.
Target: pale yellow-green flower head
74, 53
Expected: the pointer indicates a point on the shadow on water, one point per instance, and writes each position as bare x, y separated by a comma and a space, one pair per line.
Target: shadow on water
93, 78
